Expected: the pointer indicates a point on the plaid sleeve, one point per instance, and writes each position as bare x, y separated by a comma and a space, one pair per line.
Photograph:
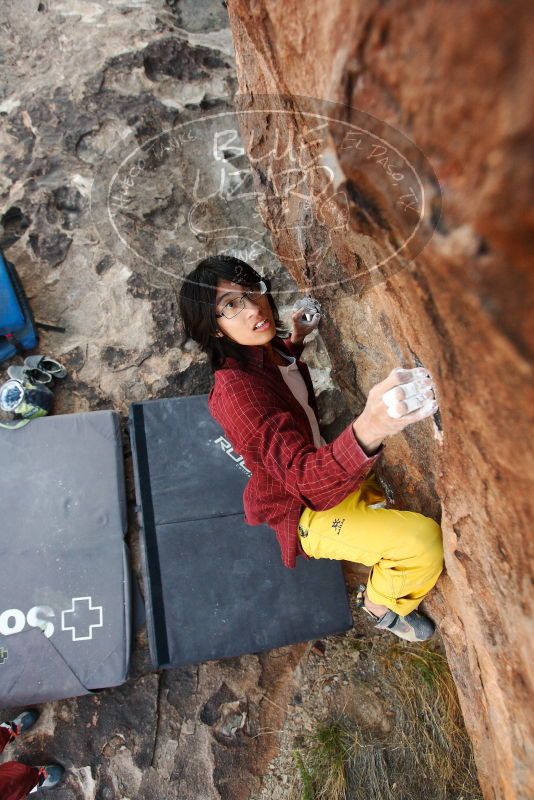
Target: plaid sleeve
294, 349
257, 425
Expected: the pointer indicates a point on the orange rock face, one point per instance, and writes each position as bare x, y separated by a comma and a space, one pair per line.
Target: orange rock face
453, 79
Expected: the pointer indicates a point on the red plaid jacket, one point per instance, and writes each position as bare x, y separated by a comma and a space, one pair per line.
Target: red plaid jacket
267, 425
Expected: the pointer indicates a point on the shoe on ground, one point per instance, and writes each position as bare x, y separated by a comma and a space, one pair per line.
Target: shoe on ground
46, 364
414, 627
23, 722
33, 375
53, 774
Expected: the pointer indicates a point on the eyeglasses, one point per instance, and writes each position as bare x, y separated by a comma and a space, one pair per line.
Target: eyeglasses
235, 305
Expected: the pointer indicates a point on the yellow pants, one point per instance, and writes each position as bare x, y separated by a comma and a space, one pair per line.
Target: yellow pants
403, 548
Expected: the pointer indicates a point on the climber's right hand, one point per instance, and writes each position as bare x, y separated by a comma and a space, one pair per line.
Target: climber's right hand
404, 397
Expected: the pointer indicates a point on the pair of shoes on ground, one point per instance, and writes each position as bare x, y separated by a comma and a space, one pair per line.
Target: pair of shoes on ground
414, 627
38, 370
50, 774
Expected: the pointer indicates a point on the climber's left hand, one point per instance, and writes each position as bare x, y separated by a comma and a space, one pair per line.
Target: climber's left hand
301, 328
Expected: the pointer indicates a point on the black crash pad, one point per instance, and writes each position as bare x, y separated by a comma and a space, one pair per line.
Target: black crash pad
216, 587
64, 571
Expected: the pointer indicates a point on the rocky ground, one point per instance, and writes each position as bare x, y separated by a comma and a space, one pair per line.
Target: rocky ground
86, 83
352, 681
230, 729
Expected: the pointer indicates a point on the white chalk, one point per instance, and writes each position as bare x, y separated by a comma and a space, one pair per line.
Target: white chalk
417, 403
309, 307
404, 390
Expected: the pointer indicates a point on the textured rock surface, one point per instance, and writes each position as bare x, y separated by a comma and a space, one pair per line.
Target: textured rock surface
77, 77
84, 84
453, 77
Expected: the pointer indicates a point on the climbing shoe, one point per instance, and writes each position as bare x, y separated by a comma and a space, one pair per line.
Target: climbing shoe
33, 375
24, 721
51, 775
46, 364
414, 627
20, 724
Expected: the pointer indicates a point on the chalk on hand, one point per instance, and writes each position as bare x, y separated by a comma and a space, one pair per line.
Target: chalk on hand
309, 307
415, 395
405, 390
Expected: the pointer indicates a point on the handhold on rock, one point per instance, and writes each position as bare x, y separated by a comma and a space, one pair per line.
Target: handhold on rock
309, 306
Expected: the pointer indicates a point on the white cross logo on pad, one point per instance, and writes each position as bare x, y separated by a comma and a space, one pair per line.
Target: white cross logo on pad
82, 612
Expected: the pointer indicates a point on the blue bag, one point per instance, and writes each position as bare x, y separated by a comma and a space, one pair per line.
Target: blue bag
17, 326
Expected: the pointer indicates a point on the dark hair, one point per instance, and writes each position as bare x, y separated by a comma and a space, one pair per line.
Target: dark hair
197, 306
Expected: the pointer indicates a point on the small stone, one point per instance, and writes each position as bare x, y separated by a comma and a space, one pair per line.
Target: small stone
386, 725
319, 648
191, 346
103, 265
188, 727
